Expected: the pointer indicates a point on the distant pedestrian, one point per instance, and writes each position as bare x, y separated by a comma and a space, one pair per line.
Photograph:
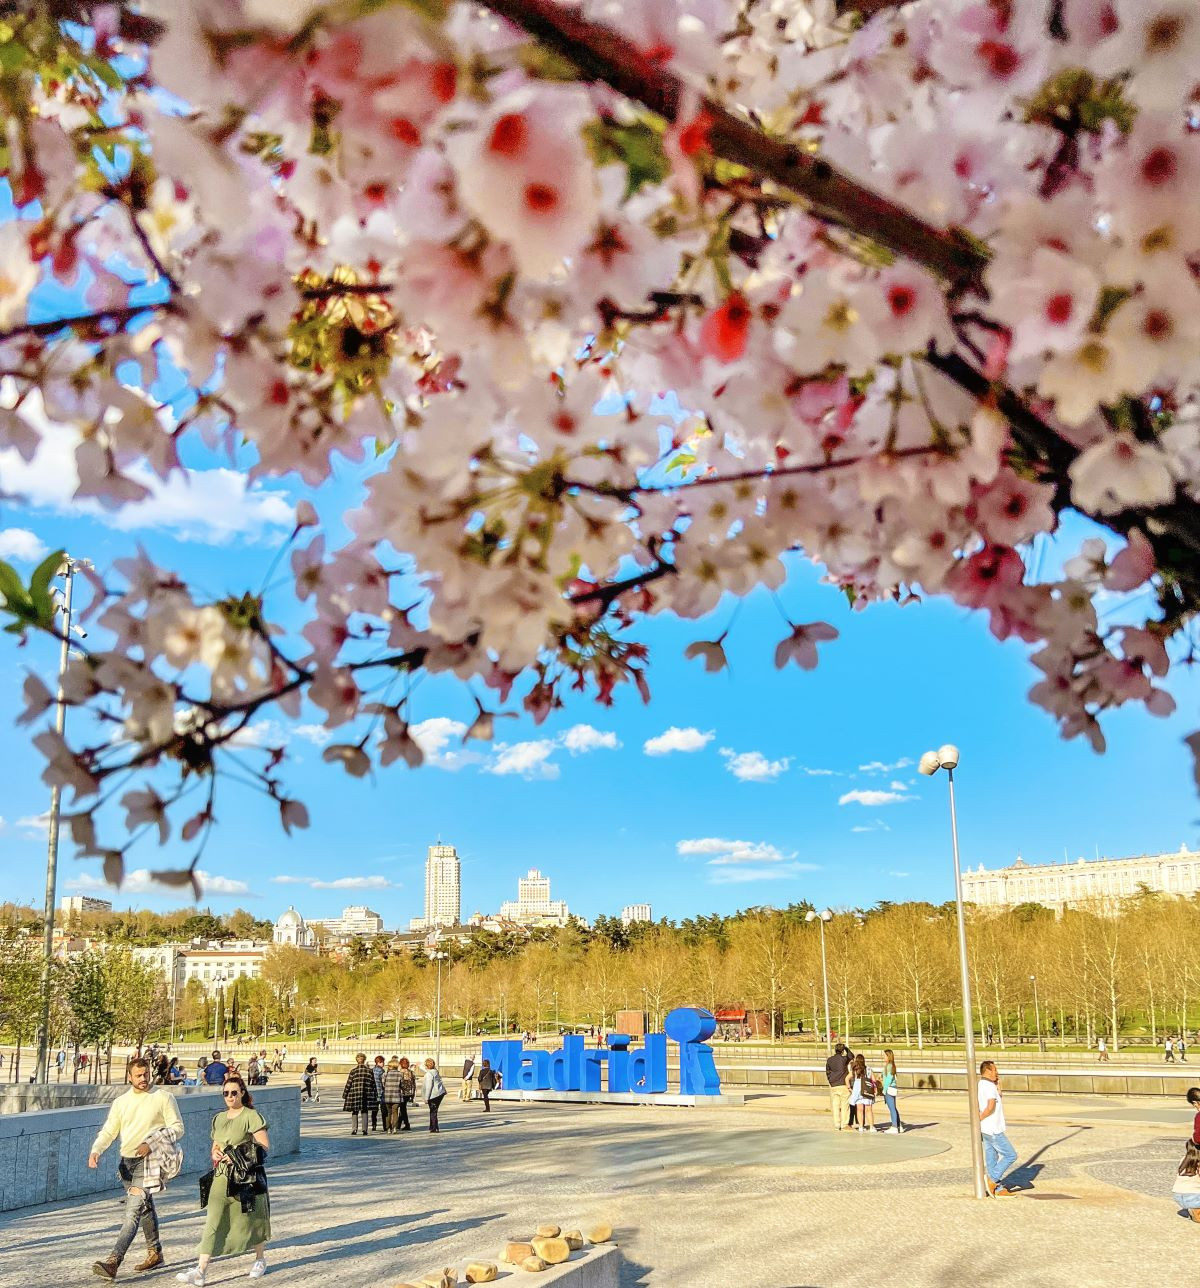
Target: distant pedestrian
358, 1099
408, 1090
215, 1070
990, 1034
252, 1070
392, 1097
1169, 1051
1181, 1047
238, 1208
487, 1084
60, 1060
998, 1153
890, 1091
309, 1090
146, 1118
434, 1092
1186, 1189
862, 1092
1193, 1099
377, 1070
1102, 1048
466, 1089
836, 1068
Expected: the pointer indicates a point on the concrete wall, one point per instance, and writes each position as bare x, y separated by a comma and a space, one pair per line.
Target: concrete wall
20, 1097
44, 1152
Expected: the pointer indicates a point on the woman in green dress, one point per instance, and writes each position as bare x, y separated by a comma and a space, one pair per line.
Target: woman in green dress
229, 1229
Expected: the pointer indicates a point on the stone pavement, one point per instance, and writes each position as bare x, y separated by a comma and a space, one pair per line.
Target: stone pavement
762, 1197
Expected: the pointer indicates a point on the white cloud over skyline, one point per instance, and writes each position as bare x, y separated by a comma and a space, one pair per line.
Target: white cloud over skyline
864, 796
676, 739
753, 766
880, 767
339, 883
736, 862
528, 759
582, 738
139, 881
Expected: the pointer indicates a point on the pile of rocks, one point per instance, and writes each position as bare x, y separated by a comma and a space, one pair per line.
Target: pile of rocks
550, 1246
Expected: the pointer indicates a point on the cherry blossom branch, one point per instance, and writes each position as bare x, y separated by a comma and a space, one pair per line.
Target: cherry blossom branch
117, 317
605, 56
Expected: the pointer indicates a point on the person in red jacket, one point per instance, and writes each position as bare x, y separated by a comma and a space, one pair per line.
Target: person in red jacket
1193, 1097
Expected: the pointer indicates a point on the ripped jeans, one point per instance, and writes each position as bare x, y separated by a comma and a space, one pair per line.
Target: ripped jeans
139, 1209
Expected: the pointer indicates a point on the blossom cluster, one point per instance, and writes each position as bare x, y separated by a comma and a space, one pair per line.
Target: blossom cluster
415, 234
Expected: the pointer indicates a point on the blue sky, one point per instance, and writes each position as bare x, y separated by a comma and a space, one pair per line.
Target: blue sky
781, 786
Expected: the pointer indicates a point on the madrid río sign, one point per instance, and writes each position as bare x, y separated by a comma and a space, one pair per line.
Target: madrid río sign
618, 1066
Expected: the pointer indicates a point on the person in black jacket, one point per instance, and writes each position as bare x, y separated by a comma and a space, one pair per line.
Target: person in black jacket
360, 1098
839, 1093
487, 1084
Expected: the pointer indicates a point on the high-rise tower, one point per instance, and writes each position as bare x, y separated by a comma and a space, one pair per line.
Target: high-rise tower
443, 887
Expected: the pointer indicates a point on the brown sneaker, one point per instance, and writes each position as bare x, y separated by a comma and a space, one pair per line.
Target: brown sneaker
1001, 1191
152, 1259
991, 1186
106, 1269
1194, 1213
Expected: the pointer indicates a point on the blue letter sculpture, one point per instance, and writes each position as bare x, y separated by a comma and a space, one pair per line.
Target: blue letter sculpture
641, 1070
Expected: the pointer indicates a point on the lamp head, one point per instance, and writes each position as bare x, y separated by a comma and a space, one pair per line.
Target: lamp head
811, 915
948, 756
929, 764
827, 915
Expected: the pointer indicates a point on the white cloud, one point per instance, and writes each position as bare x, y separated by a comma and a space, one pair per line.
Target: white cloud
339, 883
581, 738
877, 826
753, 766
260, 733
740, 875
20, 543
675, 739
748, 856
34, 825
434, 736
897, 786
900, 874
861, 797
139, 881
216, 506
820, 773
529, 759
317, 734
879, 767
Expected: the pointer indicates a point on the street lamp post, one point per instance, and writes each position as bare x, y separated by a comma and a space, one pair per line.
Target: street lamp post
822, 918
1037, 1016
218, 1007
947, 758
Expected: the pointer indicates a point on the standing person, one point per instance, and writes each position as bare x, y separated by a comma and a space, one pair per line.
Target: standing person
487, 1084
1181, 1047
252, 1070
1168, 1051
862, 1092
836, 1068
408, 1092
465, 1090
147, 1120
998, 1153
434, 1091
392, 1096
890, 1091
215, 1070
239, 1208
1102, 1047
358, 1099
989, 1034
60, 1060
309, 1088
1186, 1189
1193, 1099
377, 1072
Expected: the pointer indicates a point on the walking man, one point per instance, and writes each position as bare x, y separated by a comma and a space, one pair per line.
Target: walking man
1169, 1051
487, 1084
1102, 1047
839, 1094
998, 1153
466, 1089
147, 1120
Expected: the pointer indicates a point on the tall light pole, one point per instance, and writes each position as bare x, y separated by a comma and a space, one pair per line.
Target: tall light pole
42, 1070
1037, 1015
218, 1007
947, 758
822, 918
432, 944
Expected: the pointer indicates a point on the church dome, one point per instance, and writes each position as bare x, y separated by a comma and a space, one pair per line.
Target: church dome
289, 918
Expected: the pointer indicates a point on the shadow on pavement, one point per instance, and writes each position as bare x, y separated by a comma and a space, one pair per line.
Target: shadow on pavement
351, 1244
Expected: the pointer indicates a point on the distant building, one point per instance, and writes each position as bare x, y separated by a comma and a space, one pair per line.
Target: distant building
212, 965
292, 930
635, 912
357, 920
533, 906
72, 905
443, 889
1096, 882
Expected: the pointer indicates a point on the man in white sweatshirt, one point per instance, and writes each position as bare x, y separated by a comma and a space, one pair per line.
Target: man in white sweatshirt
142, 1117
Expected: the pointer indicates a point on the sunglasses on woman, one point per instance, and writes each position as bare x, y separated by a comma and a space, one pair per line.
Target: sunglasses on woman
229, 1095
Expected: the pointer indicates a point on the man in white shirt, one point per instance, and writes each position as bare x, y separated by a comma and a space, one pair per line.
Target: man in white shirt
998, 1153
138, 1114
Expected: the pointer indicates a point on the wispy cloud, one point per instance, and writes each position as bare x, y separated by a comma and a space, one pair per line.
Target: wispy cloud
339, 883
877, 826
819, 773
217, 506
730, 862
23, 545
531, 760
33, 825
880, 767
582, 738
753, 766
742, 875
435, 736
872, 798
317, 734
676, 739
139, 881
901, 875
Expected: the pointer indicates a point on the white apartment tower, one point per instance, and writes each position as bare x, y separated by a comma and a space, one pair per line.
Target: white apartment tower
443, 887
533, 906
635, 912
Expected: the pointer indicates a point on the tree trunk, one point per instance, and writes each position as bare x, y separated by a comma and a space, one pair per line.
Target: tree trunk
907, 1033
920, 1030
1112, 1002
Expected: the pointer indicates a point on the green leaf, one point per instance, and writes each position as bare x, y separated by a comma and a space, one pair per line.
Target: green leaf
39, 588
13, 589
637, 146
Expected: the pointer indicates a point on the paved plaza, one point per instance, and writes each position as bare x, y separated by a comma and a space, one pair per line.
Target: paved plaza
761, 1197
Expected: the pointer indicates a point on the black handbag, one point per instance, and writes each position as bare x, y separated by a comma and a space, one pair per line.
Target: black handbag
206, 1185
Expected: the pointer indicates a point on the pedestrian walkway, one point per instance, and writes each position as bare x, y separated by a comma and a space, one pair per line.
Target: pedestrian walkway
765, 1197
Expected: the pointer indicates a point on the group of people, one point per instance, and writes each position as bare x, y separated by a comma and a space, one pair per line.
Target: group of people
146, 1122
1173, 1046
383, 1091
854, 1088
